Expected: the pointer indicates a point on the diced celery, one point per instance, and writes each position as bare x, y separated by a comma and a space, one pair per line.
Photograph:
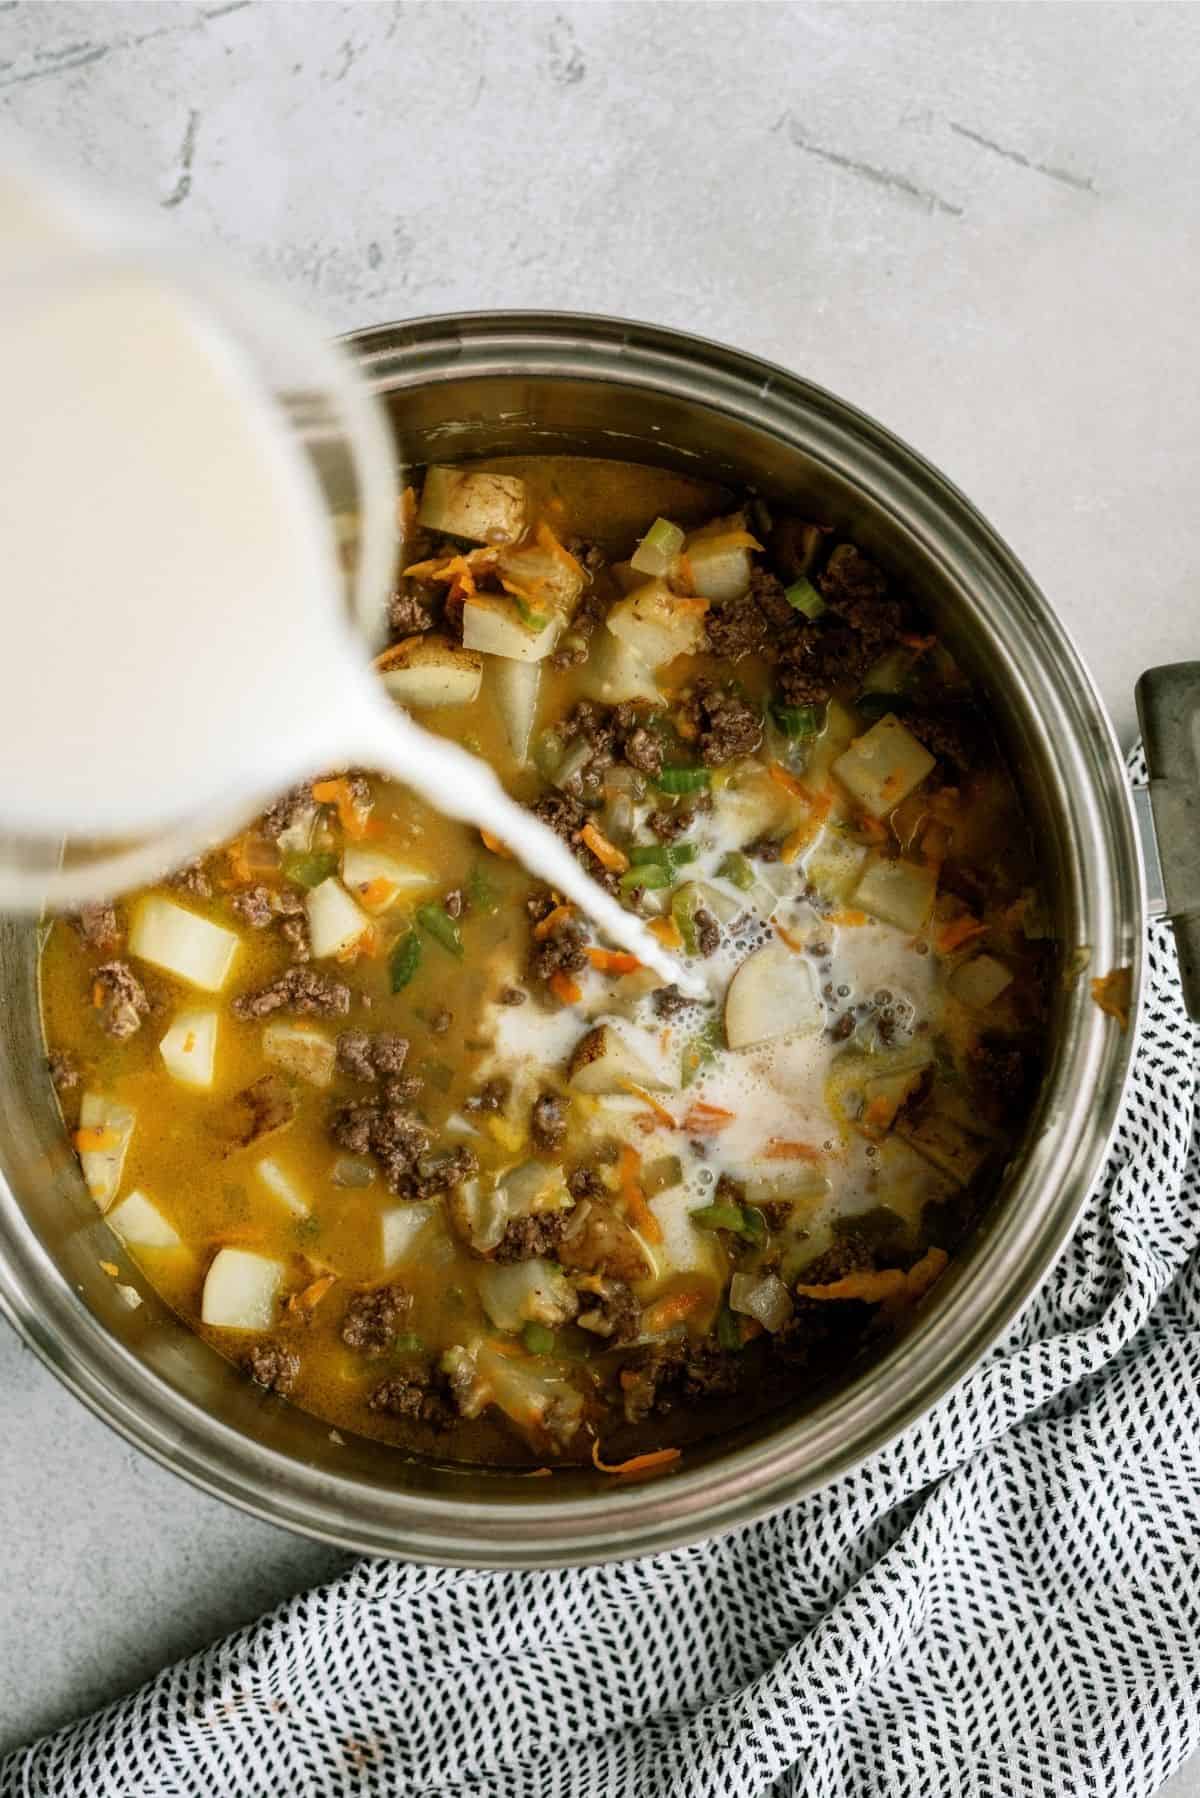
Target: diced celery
737, 869
310, 870
405, 960
436, 920
538, 1339
649, 876
797, 721
805, 598
683, 780
658, 548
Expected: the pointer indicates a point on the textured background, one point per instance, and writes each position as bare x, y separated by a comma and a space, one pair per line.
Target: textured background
977, 222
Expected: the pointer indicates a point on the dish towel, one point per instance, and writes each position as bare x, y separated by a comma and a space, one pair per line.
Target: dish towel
1005, 1601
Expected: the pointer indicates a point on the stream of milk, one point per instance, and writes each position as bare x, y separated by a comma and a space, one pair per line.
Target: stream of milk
176, 641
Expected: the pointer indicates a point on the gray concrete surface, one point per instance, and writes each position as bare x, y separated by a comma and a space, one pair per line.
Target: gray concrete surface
975, 221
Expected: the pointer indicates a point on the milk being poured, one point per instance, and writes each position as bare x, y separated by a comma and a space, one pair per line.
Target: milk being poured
177, 645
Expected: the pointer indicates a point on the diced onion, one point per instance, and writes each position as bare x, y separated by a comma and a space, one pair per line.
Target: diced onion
764, 1297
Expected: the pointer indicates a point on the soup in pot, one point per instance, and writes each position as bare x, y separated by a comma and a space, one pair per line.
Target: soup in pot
377, 1114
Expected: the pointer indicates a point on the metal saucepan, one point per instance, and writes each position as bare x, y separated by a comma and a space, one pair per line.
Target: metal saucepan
544, 382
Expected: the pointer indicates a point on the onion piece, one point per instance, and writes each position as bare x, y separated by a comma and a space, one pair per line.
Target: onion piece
762, 1296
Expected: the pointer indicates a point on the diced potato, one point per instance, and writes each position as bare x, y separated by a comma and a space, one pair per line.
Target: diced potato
683, 1247
377, 880
656, 625
281, 1186
495, 627
614, 674
240, 1289
773, 994
614, 1053
335, 922
140, 1224
883, 766
899, 892
720, 565
515, 687
834, 864
428, 671
182, 943
189, 1049
539, 1404
300, 1050
555, 580
945, 1143
399, 1228
978, 981
749, 806
483, 508
104, 1165
524, 1292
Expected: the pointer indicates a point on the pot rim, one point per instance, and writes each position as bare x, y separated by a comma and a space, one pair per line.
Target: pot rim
977, 1298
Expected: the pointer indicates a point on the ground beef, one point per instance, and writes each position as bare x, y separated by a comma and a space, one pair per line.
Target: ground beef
708, 932
294, 932
561, 814
548, 1121
302, 991
1001, 1075
765, 849
722, 725
438, 1174
512, 995
769, 596
956, 734
643, 751
658, 1377
122, 999
492, 1095
562, 952
529, 1238
589, 614
440, 1020
98, 926
365, 1055
668, 1001
668, 825
193, 878
253, 907
373, 1318
388, 1131
63, 1072
264, 1107
585, 1183
419, 1394
271, 1366
819, 657
413, 608
776, 1212
736, 628
404, 1091
289, 807
608, 1308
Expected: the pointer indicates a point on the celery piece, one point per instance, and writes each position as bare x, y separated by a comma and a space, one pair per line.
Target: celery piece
658, 548
309, 870
646, 875
531, 619
805, 598
737, 869
702, 1049
538, 1339
441, 927
662, 855
797, 720
683, 780
407, 1344
405, 960
741, 1220
684, 906
729, 1331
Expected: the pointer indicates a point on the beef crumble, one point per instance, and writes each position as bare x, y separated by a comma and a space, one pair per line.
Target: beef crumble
607, 1308
373, 1317
418, 1394
366, 1055
99, 927
722, 725
302, 991
64, 1074
532, 1237
548, 1121
708, 932
121, 998
271, 1366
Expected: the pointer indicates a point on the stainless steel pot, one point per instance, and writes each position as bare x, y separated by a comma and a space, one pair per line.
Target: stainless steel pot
493, 383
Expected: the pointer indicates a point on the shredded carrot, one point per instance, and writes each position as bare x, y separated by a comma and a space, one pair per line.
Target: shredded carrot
340, 793
782, 1148
1113, 993
788, 936
913, 642
866, 1284
784, 778
375, 892
690, 605
189, 1043
551, 922
510, 1350
613, 961
636, 1209
458, 572
311, 1297
565, 990
684, 569
707, 1120
496, 846
958, 931
871, 827
95, 1138
549, 542
921, 1276
660, 1457
367, 944
848, 916
536, 1473
612, 858
239, 867
878, 1113
97, 994
672, 1309
110, 1268
667, 931
660, 1111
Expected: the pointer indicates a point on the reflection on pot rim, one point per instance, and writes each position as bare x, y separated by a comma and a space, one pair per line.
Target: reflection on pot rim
480, 385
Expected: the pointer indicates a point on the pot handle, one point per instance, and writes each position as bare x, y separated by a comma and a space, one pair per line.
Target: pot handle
1168, 703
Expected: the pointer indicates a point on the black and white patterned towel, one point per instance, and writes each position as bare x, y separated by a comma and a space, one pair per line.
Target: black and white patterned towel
1006, 1601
